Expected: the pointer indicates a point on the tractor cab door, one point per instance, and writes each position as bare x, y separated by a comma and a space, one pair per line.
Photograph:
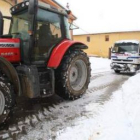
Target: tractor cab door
49, 32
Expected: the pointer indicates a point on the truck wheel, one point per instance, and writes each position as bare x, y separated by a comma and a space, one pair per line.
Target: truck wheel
117, 71
6, 99
73, 75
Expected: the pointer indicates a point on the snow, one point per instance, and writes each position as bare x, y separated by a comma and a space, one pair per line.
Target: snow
117, 118
127, 41
99, 64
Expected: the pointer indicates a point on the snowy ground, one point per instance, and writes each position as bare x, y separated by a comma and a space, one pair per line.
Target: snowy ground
117, 119
99, 65
108, 111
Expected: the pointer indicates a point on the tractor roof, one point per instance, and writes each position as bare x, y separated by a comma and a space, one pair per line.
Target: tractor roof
24, 5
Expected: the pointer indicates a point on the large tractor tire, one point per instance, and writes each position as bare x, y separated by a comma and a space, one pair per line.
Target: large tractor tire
7, 99
73, 75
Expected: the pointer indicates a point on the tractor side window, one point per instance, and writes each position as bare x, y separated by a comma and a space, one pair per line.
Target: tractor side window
20, 26
48, 32
6, 26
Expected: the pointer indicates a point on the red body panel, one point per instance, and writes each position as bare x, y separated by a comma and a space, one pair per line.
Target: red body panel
59, 51
10, 49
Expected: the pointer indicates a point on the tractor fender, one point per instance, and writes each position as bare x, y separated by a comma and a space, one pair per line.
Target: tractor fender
60, 50
7, 68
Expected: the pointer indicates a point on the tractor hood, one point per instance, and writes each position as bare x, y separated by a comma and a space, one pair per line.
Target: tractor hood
10, 49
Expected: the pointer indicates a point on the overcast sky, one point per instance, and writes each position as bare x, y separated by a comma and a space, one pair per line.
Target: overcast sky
97, 16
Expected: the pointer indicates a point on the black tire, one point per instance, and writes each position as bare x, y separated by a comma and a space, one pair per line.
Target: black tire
7, 99
117, 71
70, 82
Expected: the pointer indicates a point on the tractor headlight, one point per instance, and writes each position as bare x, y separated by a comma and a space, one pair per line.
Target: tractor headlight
13, 9
23, 5
27, 3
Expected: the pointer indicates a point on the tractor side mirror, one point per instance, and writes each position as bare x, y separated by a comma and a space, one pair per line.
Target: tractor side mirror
73, 26
33, 4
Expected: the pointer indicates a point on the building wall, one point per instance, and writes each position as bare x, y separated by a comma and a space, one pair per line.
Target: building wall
4, 8
98, 45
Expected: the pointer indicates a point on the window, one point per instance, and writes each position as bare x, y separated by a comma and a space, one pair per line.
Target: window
6, 26
20, 26
88, 38
126, 47
48, 33
106, 37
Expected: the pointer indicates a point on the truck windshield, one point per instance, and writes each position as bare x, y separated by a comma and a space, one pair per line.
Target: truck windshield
127, 47
20, 26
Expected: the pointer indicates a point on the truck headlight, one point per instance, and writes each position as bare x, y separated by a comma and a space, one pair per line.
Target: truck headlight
131, 66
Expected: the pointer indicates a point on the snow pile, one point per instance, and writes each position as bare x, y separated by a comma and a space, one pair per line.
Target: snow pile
127, 41
100, 64
118, 119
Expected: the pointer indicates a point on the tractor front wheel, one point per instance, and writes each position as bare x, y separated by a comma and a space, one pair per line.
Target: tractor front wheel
6, 99
73, 75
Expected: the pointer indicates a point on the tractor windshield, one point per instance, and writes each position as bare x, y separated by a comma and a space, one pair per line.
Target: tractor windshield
126, 47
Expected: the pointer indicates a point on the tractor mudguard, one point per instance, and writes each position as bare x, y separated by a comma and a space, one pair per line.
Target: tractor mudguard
60, 50
7, 68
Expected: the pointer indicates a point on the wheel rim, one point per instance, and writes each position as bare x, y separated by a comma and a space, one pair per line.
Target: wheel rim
78, 75
2, 103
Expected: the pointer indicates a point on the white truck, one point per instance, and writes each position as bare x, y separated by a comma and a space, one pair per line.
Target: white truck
125, 56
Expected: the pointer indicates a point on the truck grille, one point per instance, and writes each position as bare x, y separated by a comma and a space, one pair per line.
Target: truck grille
122, 60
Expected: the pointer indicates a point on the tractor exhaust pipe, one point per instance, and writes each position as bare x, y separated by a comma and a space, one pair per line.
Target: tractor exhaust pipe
1, 24
33, 4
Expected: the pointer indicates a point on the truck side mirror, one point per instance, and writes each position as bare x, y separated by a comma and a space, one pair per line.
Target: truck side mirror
33, 4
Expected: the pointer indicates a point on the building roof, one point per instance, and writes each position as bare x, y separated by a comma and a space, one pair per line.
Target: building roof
58, 5
106, 32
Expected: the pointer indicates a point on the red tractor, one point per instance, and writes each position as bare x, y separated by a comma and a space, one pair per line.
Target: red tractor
38, 57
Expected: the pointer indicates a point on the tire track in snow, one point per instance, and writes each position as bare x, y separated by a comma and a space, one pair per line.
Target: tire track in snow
21, 127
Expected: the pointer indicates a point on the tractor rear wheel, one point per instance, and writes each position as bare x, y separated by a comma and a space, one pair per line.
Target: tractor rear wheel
73, 75
6, 99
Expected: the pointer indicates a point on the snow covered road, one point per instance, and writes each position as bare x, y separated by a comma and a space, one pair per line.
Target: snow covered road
75, 120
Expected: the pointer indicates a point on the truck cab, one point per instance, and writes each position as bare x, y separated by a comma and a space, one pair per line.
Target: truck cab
125, 56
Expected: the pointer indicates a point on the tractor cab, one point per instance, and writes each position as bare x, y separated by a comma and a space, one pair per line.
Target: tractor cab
39, 30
